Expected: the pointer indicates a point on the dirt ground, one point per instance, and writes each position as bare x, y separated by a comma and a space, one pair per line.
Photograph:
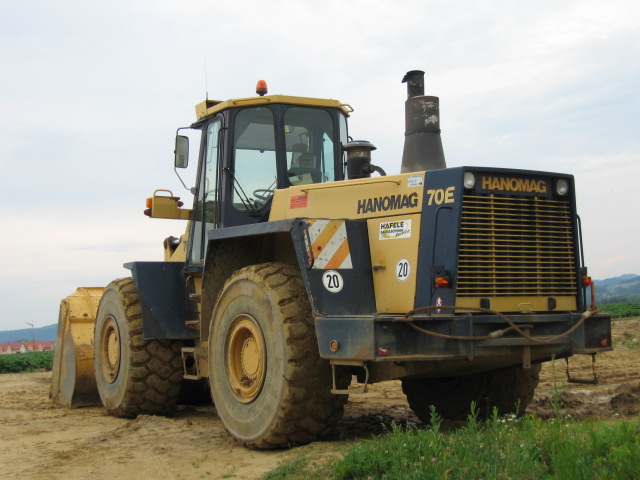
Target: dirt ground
41, 440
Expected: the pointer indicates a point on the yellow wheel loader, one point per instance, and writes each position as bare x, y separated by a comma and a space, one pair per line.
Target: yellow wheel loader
303, 265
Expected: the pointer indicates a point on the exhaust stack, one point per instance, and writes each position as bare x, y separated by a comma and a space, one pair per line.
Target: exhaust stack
422, 142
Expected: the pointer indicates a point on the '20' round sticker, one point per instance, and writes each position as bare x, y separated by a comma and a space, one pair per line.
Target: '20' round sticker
403, 269
332, 281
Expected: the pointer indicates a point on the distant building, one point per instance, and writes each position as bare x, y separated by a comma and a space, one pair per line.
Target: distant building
24, 347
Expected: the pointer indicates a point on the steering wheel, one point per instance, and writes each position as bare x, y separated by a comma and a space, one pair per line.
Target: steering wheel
263, 194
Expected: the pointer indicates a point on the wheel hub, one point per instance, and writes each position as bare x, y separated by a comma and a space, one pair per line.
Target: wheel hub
245, 358
110, 349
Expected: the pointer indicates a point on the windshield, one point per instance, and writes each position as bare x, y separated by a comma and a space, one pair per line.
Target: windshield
255, 176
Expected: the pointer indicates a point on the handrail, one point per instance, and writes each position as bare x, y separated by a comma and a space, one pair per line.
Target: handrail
321, 186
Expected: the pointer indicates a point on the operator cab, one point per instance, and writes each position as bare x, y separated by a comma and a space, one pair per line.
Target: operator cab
251, 147
307, 152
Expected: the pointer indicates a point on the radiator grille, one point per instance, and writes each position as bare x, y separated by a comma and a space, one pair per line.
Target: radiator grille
515, 246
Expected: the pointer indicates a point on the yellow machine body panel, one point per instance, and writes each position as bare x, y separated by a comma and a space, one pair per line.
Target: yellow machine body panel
393, 242
522, 304
392, 206
177, 253
363, 198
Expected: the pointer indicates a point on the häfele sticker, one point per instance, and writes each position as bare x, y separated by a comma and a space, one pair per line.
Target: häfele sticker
395, 229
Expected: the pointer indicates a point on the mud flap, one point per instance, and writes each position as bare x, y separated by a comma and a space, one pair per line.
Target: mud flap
163, 298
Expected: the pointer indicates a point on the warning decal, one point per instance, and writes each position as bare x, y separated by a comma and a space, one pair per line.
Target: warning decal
298, 201
415, 181
396, 229
329, 244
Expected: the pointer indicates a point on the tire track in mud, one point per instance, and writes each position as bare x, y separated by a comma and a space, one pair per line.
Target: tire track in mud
617, 393
52, 442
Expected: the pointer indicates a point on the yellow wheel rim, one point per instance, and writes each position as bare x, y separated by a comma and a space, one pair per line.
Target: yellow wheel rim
245, 358
110, 349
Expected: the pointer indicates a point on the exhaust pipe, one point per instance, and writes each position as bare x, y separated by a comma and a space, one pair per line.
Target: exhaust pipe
422, 142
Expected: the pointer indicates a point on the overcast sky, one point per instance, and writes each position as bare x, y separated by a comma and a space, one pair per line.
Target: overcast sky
91, 93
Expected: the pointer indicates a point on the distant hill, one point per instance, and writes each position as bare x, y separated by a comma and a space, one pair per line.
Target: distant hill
624, 288
41, 334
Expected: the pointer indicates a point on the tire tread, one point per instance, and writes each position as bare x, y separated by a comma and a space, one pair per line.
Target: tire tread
155, 372
307, 409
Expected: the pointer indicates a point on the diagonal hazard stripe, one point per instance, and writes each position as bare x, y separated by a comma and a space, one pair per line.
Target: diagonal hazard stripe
325, 235
340, 258
329, 244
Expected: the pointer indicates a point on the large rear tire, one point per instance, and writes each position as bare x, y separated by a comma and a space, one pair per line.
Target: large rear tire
134, 376
270, 387
510, 391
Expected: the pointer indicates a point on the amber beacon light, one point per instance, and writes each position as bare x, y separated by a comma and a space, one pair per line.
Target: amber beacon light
261, 88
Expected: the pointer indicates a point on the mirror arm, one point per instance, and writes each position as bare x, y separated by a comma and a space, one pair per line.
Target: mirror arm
192, 189
176, 153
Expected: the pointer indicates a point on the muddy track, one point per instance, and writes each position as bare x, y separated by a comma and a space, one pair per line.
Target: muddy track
617, 393
41, 440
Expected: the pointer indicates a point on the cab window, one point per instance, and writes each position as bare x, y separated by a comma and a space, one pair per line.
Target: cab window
309, 145
205, 210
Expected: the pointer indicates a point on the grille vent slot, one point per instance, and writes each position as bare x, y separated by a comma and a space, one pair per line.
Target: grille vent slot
515, 246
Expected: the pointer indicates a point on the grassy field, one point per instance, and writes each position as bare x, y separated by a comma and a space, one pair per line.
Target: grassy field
26, 362
621, 310
500, 448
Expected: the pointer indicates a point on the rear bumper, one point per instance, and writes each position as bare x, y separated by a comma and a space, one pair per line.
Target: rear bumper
383, 339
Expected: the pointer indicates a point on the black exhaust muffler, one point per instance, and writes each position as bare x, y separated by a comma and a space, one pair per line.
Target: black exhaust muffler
422, 142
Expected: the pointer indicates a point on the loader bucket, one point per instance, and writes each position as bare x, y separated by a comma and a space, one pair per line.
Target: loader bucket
73, 382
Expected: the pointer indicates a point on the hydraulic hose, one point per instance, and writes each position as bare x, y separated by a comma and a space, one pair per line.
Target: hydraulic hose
496, 334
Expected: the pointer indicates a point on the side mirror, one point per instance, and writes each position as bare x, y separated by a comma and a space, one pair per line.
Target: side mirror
182, 151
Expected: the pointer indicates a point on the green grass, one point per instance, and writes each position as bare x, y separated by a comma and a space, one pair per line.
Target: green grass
500, 448
621, 310
628, 340
26, 362
300, 468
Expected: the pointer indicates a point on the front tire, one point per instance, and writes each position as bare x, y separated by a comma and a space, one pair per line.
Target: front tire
134, 376
270, 387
